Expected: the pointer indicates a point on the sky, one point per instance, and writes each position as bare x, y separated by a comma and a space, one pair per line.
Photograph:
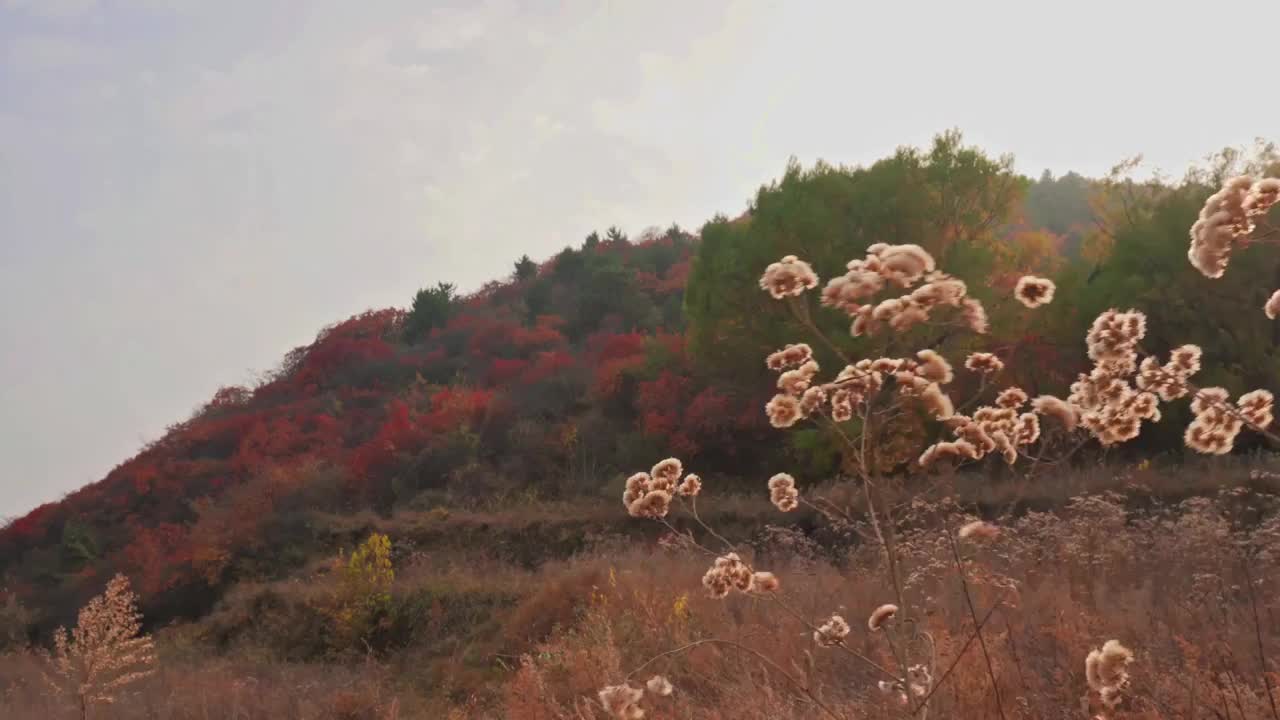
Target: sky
190, 189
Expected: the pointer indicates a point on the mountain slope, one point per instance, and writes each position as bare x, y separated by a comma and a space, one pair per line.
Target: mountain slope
564, 374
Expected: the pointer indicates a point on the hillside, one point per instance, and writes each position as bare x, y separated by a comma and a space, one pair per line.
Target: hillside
545, 382
556, 381
489, 435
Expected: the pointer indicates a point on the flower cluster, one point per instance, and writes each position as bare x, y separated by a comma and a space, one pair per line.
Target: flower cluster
1111, 409
1227, 218
832, 632
1256, 408
1107, 671
991, 429
623, 701
1065, 413
920, 680
791, 356
728, 572
650, 494
901, 266
985, 363
1217, 423
788, 277
1214, 429
1171, 380
1034, 291
797, 381
783, 493
919, 378
978, 530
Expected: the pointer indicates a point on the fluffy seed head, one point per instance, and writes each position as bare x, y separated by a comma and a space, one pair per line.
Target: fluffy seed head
1185, 360
783, 493
791, 356
622, 702
794, 382
789, 277
985, 363
954, 450
690, 486
783, 410
1058, 409
1256, 407
1027, 430
659, 685
654, 504
812, 399
937, 402
934, 367
1107, 670
763, 582
1225, 219
1034, 291
880, 616
979, 530
1272, 308
666, 473
904, 265
1011, 398
975, 315
832, 632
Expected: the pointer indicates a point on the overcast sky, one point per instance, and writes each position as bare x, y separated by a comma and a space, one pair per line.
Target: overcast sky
190, 189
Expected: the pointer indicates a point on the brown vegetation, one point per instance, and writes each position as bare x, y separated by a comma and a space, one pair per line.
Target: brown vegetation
1166, 572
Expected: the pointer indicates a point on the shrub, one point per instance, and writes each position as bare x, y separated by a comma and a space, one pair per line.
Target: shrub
105, 653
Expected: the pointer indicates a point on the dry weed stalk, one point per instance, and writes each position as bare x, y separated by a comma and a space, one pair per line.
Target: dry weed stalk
105, 653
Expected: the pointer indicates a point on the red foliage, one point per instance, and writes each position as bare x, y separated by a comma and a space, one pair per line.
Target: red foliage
423, 361
489, 337
502, 370
543, 335
673, 343
709, 413
452, 408
603, 347
398, 433
358, 340
661, 403
547, 364
647, 281
675, 279
157, 557
271, 440
228, 397
332, 401
609, 374
34, 526
219, 429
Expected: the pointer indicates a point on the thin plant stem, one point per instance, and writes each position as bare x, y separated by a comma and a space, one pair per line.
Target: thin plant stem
750, 651
843, 646
924, 704
693, 509
964, 585
1257, 631
787, 608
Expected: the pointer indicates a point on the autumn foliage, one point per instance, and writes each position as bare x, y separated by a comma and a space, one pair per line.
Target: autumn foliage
550, 385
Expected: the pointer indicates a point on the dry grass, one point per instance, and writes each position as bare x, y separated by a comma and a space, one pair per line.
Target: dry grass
487, 638
1169, 582
219, 688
